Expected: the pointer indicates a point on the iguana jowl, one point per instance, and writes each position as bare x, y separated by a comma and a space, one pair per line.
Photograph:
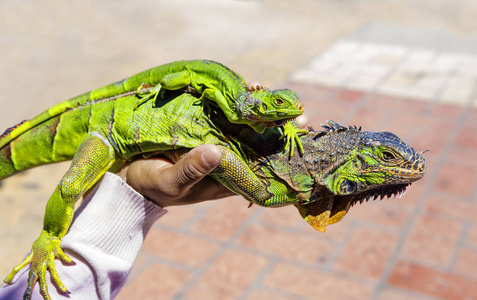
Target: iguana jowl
340, 166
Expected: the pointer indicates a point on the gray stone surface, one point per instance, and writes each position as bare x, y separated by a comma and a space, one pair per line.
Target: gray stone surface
427, 37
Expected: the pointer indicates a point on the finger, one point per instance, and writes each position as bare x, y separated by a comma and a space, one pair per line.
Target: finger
253, 84
144, 175
302, 120
207, 189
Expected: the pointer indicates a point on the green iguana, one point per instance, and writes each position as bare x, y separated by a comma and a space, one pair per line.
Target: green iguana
339, 167
257, 107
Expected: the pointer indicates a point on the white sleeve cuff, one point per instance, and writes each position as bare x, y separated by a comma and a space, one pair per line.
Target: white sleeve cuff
114, 218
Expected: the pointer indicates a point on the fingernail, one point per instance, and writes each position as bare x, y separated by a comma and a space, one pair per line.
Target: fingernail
211, 156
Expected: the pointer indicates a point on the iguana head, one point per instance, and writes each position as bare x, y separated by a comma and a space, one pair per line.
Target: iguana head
267, 108
356, 166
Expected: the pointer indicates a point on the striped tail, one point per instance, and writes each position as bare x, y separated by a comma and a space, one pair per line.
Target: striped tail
44, 139
36, 136
113, 90
23, 147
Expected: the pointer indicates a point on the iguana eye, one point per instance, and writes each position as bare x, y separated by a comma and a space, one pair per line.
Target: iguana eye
388, 155
279, 101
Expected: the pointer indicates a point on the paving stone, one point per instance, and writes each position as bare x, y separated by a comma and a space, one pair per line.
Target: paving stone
369, 118
309, 249
431, 282
472, 236
400, 294
467, 137
156, 281
367, 253
420, 73
432, 136
261, 295
458, 209
384, 213
463, 155
446, 180
224, 218
348, 97
281, 217
466, 262
179, 248
432, 240
310, 284
446, 112
179, 216
362, 82
228, 276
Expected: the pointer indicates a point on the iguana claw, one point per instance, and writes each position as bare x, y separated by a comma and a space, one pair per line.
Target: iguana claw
292, 131
42, 258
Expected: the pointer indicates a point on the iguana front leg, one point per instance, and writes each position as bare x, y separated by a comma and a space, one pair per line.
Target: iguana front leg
92, 159
147, 94
182, 79
173, 81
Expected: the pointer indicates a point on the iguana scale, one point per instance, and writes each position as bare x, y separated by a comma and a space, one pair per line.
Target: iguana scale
340, 166
257, 107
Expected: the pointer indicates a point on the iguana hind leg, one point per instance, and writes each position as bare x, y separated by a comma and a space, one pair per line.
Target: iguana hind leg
92, 159
241, 179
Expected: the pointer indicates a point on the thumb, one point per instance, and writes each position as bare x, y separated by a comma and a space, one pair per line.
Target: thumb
199, 162
167, 184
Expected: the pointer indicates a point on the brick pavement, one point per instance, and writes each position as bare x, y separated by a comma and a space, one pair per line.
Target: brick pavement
422, 246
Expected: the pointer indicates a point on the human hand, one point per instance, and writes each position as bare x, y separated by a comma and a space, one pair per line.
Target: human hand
185, 182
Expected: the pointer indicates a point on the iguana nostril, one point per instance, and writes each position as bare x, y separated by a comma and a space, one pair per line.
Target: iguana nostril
422, 166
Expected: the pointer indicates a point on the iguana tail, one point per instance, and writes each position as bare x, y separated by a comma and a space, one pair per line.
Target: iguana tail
35, 138
41, 140
108, 92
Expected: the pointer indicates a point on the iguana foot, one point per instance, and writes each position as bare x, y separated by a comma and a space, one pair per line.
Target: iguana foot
42, 258
203, 101
292, 131
149, 93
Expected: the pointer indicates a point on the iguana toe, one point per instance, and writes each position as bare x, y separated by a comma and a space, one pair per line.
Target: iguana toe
291, 132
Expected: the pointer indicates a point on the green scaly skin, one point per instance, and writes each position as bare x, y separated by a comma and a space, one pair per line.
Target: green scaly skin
259, 108
339, 167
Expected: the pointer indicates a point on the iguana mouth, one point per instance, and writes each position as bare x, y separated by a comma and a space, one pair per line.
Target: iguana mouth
381, 192
331, 209
278, 123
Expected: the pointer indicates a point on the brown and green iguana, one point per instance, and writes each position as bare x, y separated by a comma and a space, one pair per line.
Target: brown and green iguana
339, 167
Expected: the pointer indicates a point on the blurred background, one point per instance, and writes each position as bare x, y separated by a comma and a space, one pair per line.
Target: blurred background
405, 66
